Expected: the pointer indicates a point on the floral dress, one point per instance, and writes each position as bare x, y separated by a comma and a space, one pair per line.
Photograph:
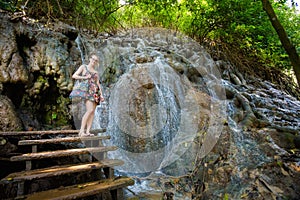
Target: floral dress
87, 89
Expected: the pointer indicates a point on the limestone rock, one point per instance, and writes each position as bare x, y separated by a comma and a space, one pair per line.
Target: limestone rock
9, 119
8, 46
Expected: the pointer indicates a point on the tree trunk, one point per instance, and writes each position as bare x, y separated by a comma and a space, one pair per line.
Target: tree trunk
286, 43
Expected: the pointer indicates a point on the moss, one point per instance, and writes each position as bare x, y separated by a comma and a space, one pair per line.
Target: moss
42, 79
57, 113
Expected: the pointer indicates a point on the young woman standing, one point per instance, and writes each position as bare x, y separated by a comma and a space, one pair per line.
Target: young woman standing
89, 90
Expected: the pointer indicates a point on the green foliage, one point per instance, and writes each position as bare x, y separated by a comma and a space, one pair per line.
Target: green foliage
161, 13
8, 5
226, 196
96, 15
235, 22
241, 23
90, 14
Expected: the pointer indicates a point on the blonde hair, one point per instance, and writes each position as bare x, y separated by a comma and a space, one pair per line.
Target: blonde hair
93, 54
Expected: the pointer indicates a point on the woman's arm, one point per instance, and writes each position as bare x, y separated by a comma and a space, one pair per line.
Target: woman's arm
77, 74
99, 85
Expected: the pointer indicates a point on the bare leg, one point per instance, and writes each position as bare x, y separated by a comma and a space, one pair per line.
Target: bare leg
90, 119
89, 110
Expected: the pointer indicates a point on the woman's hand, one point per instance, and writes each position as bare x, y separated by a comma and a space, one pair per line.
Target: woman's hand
101, 98
88, 76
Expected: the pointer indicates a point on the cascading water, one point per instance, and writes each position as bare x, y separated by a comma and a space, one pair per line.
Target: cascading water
244, 154
156, 104
146, 119
165, 110
80, 45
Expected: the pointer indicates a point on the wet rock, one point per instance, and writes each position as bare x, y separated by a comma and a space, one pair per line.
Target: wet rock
37, 63
235, 79
9, 120
6, 148
16, 70
168, 196
8, 46
29, 120
285, 140
297, 142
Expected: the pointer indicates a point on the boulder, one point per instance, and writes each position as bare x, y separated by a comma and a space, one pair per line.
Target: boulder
9, 119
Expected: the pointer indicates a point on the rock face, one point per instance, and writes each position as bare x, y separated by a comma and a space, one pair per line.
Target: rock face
35, 69
9, 118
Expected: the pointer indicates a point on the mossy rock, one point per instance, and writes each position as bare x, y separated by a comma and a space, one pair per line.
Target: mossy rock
286, 140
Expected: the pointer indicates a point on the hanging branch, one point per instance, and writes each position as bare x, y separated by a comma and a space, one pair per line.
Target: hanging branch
285, 41
107, 13
59, 7
49, 10
26, 3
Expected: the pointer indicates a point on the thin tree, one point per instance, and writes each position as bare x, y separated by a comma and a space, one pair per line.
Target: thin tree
286, 43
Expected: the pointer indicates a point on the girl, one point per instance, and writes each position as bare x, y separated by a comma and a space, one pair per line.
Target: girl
89, 90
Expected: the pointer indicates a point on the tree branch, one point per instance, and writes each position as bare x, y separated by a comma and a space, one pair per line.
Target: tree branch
286, 43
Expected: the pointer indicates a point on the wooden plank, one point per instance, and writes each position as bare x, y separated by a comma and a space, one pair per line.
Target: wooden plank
34, 148
61, 153
49, 132
61, 170
83, 190
4, 159
117, 194
28, 165
20, 190
108, 172
60, 140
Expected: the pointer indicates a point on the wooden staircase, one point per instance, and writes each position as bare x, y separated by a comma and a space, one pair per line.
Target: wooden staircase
99, 181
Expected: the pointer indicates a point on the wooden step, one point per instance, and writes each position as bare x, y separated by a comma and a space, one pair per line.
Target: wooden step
61, 140
85, 190
61, 153
61, 170
51, 132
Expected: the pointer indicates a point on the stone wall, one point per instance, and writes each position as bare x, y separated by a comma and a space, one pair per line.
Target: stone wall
36, 64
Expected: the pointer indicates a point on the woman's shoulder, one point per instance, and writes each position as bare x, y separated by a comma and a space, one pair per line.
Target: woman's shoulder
83, 66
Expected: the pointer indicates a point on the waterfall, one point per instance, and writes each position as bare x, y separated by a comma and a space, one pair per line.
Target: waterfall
80, 46
155, 110
164, 105
148, 116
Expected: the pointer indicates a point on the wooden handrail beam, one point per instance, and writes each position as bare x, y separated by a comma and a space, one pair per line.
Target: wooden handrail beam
61, 170
60, 140
49, 132
83, 190
61, 153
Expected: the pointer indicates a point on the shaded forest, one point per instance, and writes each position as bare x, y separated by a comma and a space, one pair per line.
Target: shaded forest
240, 31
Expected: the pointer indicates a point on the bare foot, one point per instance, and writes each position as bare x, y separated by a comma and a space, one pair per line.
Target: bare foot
89, 134
81, 134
